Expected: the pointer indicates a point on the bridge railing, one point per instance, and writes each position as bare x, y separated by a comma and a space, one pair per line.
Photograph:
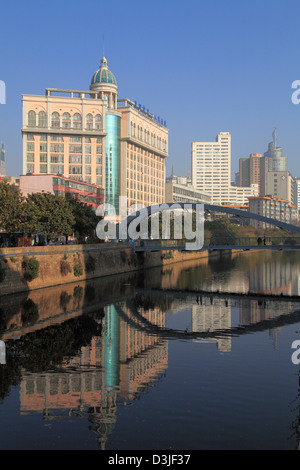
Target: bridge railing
217, 241
252, 241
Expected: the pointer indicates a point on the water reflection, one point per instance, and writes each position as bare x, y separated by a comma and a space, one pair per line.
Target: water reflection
85, 349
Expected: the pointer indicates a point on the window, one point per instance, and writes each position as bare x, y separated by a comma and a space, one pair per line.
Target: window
55, 120
75, 148
76, 139
75, 170
66, 120
57, 169
43, 168
98, 121
56, 158
77, 121
42, 119
89, 121
75, 159
32, 118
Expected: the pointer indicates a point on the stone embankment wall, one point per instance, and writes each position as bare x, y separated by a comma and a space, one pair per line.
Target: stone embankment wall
59, 265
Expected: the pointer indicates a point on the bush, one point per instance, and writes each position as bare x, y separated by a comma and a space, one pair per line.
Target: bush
65, 268
78, 270
31, 268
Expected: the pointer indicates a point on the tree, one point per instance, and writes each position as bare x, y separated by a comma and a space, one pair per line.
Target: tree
13, 216
85, 217
10, 207
50, 214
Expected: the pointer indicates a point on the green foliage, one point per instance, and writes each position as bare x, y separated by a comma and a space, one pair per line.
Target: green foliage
31, 268
65, 267
85, 218
222, 228
78, 269
13, 260
13, 217
50, 214
167, 255
44, 212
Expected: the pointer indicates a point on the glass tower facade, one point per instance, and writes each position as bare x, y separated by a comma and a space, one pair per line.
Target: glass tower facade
112, 161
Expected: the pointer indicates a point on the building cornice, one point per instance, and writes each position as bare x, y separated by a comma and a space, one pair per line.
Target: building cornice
145, 146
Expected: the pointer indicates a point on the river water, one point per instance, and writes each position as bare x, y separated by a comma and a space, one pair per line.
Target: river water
197, 355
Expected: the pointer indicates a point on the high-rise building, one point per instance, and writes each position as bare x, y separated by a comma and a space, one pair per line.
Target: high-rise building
255, 169
211, 167
279, 163
211, 172
2, 161
94, 137
281, 185
249, 170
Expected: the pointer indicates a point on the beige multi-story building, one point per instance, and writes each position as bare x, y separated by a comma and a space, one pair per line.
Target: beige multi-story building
211, 171
273, 208
281, 185
91, 136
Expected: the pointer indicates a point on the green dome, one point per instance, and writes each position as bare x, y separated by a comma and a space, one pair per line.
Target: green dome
103, 75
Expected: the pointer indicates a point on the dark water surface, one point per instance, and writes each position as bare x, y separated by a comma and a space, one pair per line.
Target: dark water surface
153, 360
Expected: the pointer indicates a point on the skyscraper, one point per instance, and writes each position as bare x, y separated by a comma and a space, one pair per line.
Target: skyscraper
211, 172
211, 167
279, 162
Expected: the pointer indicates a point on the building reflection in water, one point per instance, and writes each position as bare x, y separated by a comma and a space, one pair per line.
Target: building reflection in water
118, 366
129, 357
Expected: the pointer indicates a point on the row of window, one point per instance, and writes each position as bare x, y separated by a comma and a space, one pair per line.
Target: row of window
58, 138
145, 136
65, 120
59, 148
60, 159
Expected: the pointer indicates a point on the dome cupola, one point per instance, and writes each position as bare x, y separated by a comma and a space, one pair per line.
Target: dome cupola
103, 75
105, 84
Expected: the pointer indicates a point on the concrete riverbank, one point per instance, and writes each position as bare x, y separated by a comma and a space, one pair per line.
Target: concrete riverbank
31, 268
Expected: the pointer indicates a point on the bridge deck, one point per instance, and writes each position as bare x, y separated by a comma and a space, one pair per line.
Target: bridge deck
158, 247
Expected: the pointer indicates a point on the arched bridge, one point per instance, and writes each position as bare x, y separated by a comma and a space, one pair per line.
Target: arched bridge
137, 217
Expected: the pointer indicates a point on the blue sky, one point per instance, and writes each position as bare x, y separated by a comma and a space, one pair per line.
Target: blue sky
203, 66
